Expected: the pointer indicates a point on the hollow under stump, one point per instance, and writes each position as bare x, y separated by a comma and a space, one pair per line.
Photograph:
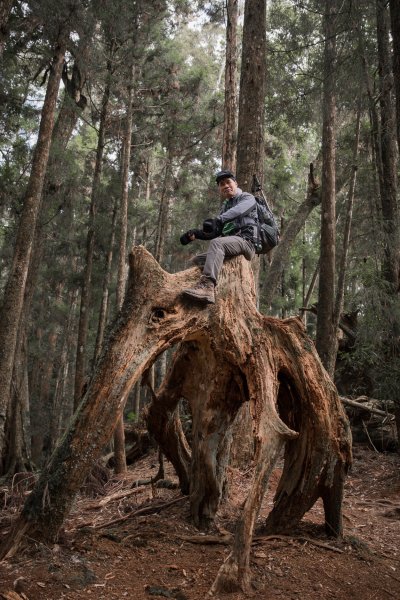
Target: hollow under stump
228, 353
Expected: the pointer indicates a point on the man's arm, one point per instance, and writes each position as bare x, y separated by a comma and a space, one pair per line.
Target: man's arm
195, 234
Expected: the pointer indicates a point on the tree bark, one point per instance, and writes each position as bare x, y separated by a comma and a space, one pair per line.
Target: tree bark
60, 411
228, 356
388, 151
395, 29
16, 455
229, 136
250, 151
119, 434
339, 302
15, 287
106, 284
162, 221
83, 326
325, 337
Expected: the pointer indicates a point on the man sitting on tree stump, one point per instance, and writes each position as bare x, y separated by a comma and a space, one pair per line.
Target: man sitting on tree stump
233, 233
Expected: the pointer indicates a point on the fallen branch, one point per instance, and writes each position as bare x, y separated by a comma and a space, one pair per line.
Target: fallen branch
112, 497
226, 539
367, 408
207, 539
301, 538
148, 510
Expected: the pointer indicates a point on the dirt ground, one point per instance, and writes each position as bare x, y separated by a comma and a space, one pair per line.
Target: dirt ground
138, 542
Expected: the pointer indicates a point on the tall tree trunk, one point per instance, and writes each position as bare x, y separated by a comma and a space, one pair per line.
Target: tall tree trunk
395, 27
106, 284
250, 148
83, 326
230, 107
162, 221
388, 150
17, 457
119, 434
325, 338
15, 287
339, 303
59, 399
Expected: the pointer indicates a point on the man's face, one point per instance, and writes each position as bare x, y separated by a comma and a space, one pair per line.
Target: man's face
227, 188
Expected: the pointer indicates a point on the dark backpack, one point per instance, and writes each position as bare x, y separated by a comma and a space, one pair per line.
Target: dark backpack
268, 232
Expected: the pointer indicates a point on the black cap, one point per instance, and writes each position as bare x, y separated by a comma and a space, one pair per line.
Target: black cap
224, 175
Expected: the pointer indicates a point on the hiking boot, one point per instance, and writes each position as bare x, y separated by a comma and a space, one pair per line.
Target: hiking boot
203, 291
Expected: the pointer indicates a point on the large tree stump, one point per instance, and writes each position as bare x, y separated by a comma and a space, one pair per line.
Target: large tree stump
229, 354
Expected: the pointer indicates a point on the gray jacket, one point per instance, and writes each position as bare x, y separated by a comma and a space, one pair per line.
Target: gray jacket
238, 216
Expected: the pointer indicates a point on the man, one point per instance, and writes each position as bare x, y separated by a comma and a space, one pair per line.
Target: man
233, 233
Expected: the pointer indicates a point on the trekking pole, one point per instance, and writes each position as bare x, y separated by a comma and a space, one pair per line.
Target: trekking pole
256, 188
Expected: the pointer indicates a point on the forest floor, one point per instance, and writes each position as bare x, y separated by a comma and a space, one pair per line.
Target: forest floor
138, 543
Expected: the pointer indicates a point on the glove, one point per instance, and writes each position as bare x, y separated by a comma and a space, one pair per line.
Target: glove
185, 239
213, 226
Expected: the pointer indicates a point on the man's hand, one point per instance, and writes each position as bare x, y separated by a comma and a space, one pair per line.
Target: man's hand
213, 226
187, 237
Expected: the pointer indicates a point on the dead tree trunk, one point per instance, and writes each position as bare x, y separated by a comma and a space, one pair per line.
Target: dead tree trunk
230, 354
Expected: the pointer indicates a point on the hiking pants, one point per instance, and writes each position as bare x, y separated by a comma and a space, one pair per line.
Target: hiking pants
221, 248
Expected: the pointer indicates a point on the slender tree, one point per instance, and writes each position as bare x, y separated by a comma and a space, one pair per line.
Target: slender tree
388, 150
15, 287
325, 323
339, 302
229, 138
119, 434
395, 28
90, 240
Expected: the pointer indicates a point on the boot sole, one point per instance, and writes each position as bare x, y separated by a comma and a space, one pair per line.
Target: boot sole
201, 299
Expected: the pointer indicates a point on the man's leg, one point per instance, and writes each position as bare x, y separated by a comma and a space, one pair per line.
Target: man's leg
225, 247
219, 249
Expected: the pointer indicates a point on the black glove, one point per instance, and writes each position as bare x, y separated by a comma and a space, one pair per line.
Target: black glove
213, 226
185, 239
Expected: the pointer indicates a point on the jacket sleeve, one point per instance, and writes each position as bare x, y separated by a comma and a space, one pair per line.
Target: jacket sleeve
200, 235
246, 203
